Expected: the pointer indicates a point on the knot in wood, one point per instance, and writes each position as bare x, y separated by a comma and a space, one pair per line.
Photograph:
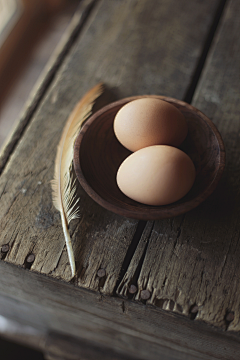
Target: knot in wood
132, 289
31, 258
101, 273
5, 248
145, 294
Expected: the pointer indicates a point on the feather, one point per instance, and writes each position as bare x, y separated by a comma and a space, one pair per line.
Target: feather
64, 184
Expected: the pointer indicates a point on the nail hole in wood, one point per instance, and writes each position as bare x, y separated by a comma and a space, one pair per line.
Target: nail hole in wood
4, 251
132, 289
29, 261
193, 311
5, 248
101, 273
145, 295
229, 316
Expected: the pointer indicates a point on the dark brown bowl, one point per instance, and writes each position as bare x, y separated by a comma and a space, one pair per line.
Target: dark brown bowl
98, 155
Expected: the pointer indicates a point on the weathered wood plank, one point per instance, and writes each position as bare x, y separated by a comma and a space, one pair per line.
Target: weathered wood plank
218, 95
59, 347
135, 47
45, 80
134, 329
194, 259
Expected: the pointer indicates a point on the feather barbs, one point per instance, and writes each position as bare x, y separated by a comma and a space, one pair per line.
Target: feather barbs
64, 184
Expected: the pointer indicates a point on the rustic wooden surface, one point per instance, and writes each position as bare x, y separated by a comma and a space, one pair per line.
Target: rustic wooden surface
102, 237
189, 264
218, 96
59, 347
195, 257
29, 64
141, 332
44, 81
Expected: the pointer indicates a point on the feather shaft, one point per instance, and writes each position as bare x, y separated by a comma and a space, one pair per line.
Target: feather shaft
64, 184
68, 243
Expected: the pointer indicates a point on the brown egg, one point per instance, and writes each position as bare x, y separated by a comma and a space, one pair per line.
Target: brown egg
156, 175
149, 121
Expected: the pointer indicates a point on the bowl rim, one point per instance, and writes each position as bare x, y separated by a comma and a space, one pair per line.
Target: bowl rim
155, 212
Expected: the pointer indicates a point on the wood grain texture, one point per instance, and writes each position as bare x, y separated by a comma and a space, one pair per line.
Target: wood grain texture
45, 80
195, 258
218, 95
161, 63
60, 347
129, 328
30, 64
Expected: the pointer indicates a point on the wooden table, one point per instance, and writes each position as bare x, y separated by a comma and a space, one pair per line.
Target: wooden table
189, 265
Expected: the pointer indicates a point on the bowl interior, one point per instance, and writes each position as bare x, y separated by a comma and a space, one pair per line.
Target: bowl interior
98, 155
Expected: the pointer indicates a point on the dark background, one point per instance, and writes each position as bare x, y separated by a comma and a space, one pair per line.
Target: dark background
12, 351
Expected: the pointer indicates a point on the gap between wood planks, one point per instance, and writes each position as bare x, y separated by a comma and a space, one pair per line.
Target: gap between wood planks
202, 59
187, 98
76, 26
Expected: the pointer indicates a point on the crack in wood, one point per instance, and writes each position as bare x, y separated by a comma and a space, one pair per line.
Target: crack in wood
141, 261
58, 261
226, 256
131, 275
129, 255
4, 188
170, 304
202, 59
